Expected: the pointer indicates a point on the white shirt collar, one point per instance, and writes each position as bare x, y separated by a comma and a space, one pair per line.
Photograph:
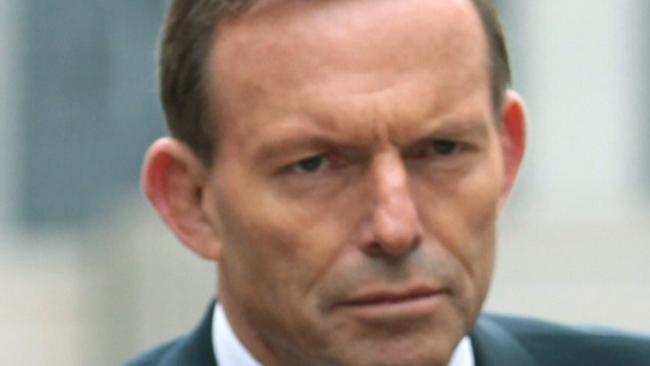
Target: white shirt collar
233, 353
230, 350
463, 354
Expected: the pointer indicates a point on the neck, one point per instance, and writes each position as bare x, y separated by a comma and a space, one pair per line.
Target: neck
244, 330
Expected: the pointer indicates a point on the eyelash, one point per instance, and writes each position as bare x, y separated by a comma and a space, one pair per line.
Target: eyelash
296, 167
435, 148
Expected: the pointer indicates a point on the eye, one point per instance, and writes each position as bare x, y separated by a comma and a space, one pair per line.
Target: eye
310, 165
435, 149
445, 147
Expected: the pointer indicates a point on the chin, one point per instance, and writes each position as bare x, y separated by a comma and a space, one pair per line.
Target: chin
427, 354
429, 345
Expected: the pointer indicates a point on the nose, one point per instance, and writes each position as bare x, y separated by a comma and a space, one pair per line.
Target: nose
395, 223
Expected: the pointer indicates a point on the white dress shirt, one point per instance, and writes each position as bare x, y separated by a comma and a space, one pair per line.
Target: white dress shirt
230, 351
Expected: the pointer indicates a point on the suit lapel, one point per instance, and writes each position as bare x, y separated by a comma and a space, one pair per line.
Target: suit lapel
196, 348
494, 346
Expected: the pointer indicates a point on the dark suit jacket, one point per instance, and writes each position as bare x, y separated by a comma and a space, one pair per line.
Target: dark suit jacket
497, 341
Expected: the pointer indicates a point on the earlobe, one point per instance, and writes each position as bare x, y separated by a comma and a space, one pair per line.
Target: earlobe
513, 141
174, 181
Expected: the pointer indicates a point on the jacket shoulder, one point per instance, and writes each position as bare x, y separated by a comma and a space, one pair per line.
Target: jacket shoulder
555, 344
162, 355
193, 349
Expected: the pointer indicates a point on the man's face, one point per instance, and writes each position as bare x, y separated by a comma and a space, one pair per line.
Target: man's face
358, 179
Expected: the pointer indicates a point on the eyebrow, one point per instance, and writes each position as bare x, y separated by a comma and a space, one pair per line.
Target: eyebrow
296, 135
290, 141
299, 138
468, 128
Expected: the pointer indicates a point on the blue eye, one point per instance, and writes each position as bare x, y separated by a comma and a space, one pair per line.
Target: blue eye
445, 147
309, 165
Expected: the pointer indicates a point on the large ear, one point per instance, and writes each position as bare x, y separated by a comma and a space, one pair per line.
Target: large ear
174, 180
513, 141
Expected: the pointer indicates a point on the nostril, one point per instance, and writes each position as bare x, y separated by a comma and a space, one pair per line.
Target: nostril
393, 249
374, 249
394, 234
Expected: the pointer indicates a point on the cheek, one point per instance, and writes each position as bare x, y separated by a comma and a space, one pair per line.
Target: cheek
279, 239
276, 254
461, 215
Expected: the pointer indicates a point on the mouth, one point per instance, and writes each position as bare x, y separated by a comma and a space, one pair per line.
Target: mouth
387, 304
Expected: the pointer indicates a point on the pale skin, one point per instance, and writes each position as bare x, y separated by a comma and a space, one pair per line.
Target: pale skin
352, 203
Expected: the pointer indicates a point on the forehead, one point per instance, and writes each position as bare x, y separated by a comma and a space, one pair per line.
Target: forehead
346, 35
332, 49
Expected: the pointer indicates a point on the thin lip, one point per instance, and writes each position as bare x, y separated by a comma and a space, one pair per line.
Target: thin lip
388, 296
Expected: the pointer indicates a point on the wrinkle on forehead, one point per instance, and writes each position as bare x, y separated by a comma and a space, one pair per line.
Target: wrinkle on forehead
352, 58
374, 117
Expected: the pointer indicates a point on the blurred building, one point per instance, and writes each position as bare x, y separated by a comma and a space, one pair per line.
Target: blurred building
83, 257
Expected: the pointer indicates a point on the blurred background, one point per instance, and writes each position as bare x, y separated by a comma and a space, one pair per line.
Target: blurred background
89, 274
